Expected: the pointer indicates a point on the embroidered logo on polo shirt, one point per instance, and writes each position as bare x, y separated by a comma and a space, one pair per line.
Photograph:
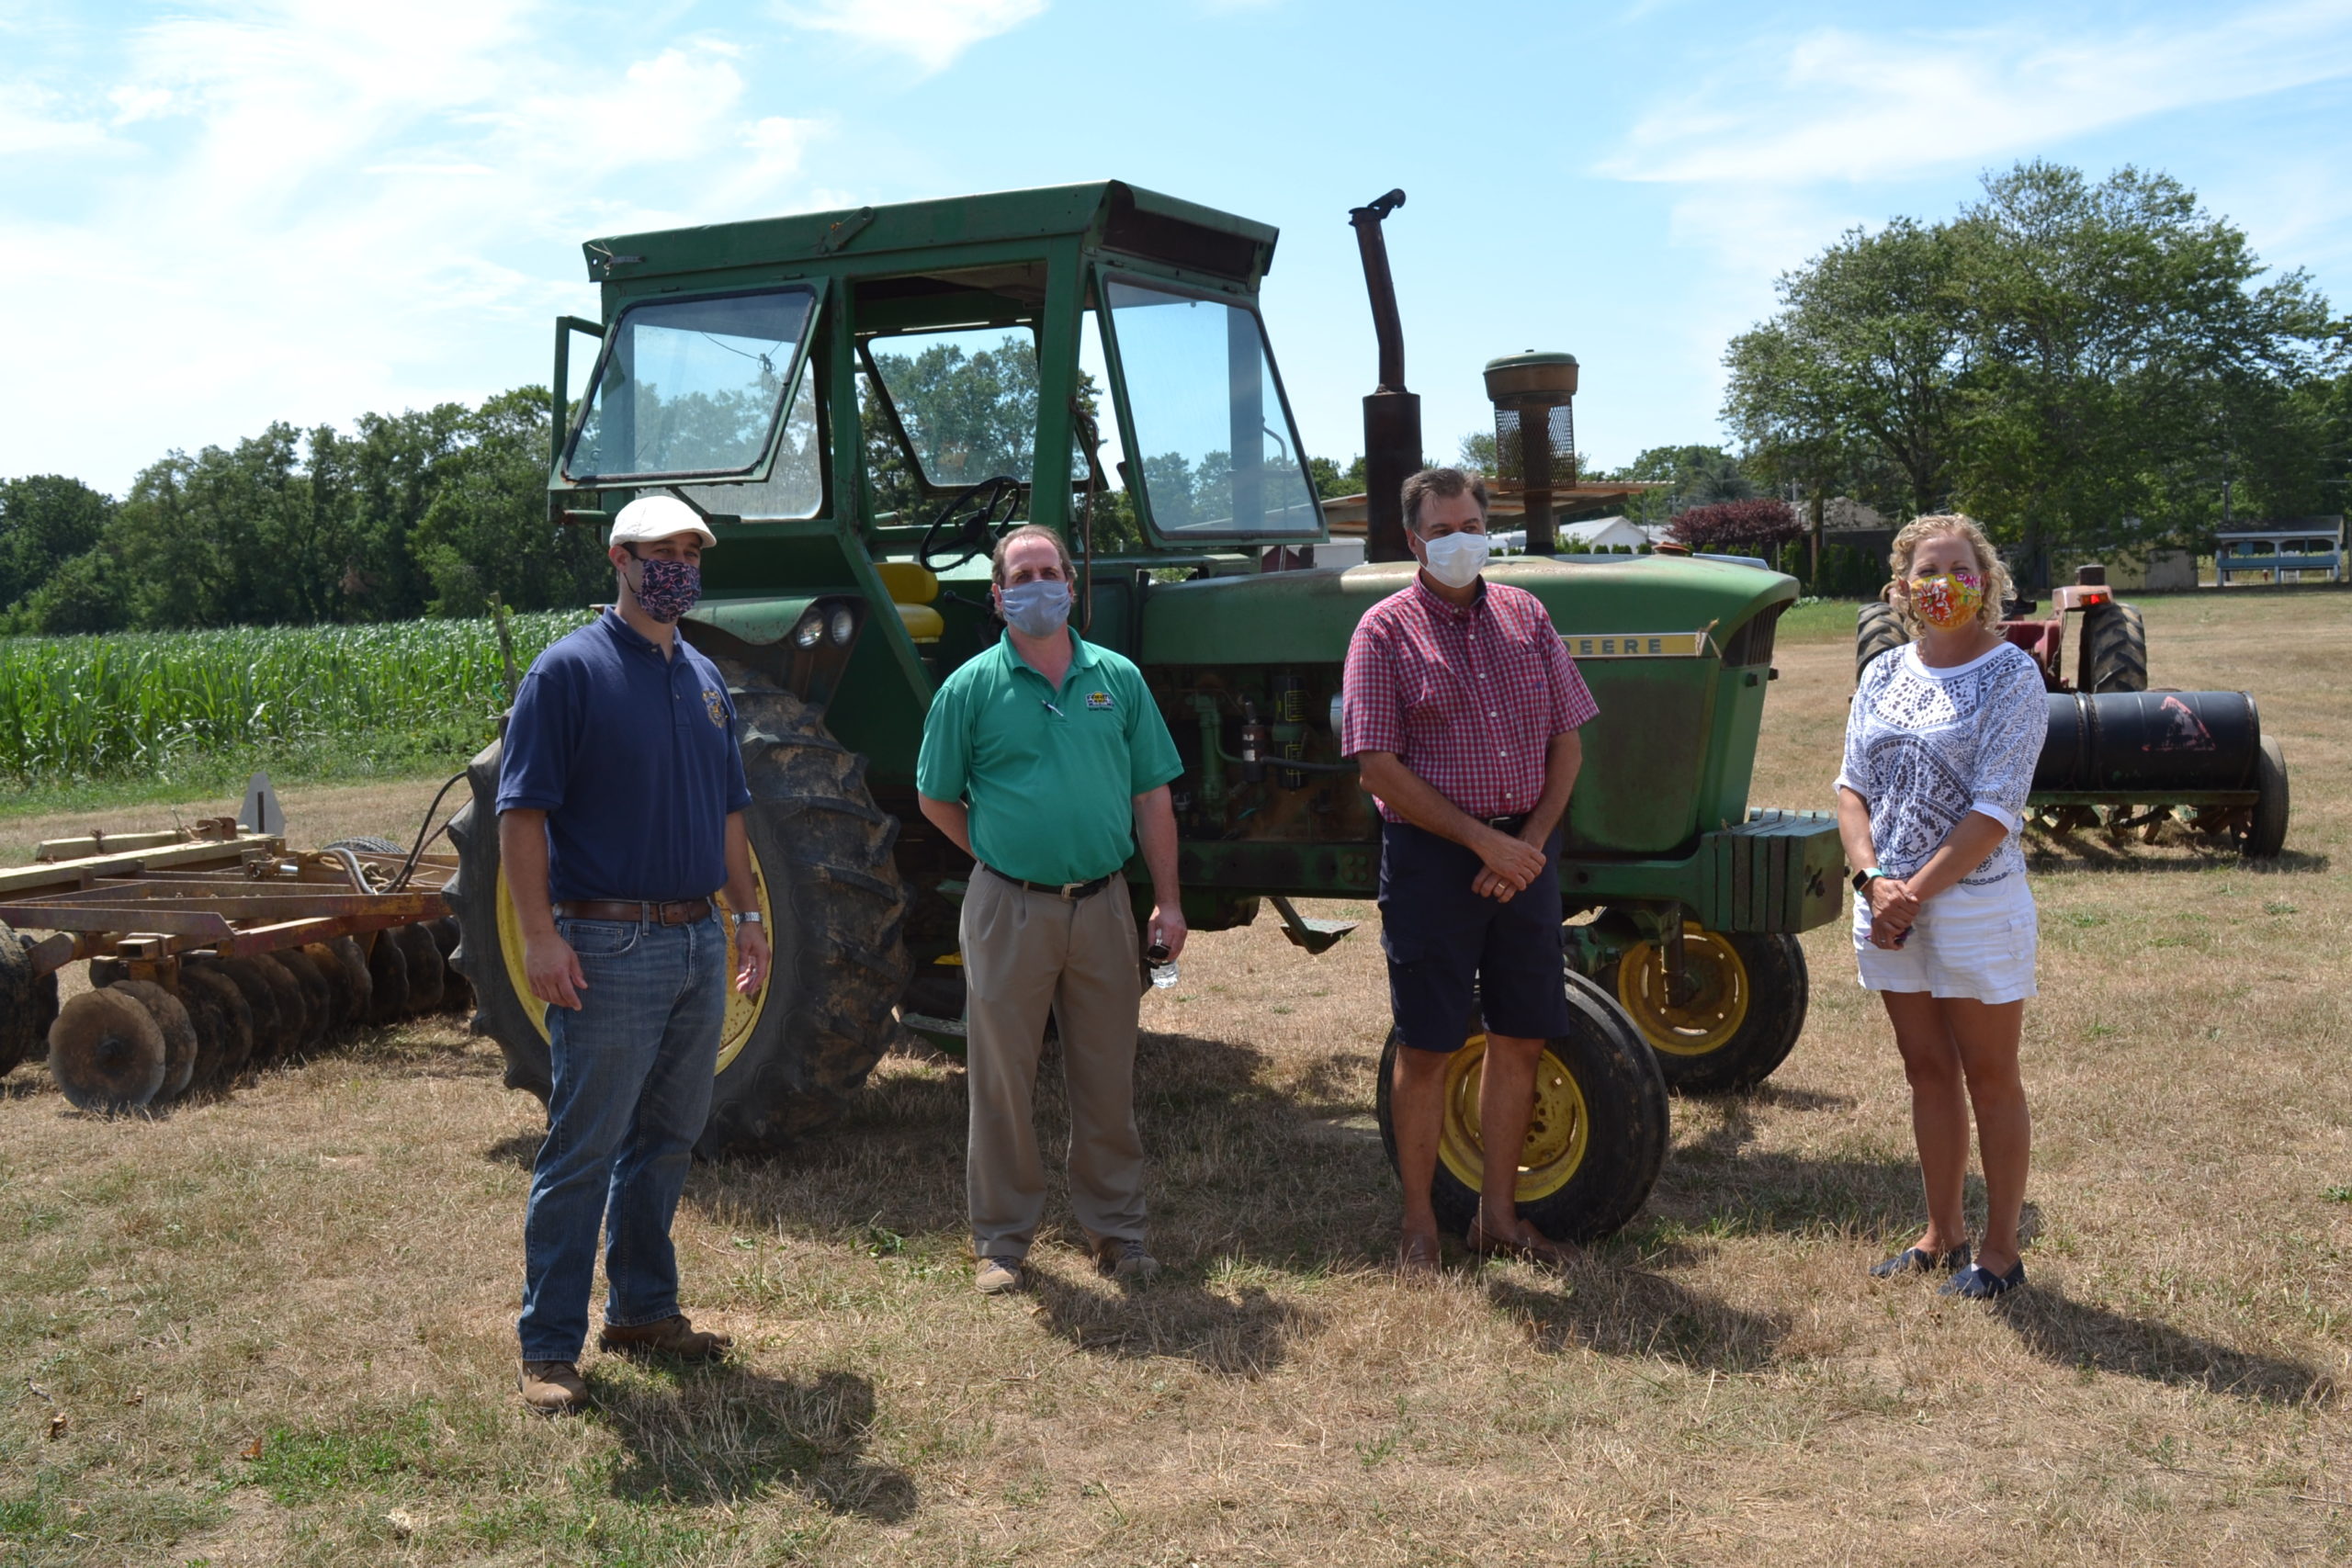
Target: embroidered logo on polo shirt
716, 709
1098, 699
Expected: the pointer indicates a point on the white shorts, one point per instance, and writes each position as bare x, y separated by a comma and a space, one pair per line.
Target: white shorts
1977, 942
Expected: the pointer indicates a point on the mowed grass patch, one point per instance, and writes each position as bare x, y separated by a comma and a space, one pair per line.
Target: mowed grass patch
320, 1270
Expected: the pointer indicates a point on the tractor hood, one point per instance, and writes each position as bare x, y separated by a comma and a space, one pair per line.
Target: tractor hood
1306, 617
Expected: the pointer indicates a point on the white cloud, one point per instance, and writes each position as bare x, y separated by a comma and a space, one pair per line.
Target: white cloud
1839, 106
932, 32
310, 210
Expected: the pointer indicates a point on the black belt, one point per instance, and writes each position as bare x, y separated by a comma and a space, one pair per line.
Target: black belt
1507, 824
680, 912
1069, 892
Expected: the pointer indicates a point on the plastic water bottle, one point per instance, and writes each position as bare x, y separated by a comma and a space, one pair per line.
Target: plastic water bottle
1164, 969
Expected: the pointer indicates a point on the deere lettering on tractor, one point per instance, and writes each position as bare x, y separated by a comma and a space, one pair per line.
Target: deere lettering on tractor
861, 401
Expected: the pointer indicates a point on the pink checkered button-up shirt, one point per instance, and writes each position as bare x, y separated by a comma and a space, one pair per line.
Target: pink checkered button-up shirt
1467, 699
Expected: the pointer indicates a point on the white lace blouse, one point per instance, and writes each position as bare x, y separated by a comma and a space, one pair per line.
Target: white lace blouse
1927, 747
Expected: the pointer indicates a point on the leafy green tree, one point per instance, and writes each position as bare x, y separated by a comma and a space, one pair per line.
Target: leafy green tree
486, 530
1856, 382
2124, 357
2088, 365
1329, 480
45, 521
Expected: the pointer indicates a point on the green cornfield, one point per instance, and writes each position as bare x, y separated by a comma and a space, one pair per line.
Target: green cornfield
138, 704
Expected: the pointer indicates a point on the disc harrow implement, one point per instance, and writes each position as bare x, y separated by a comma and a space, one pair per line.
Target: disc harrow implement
211, 950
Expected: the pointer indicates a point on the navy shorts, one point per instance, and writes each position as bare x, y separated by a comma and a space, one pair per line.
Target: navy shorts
1446, 944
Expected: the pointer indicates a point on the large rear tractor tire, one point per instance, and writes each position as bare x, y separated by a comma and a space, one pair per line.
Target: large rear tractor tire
834, 906
1743, 1008
23, 1030
2265, 835
1594, 1144
1877, 629
2115, 650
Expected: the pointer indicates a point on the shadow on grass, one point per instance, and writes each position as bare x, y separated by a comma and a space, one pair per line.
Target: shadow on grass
2077, 1334
2094, 853
1246, 1335
726, 1434
1632, 1311
521, 1151
1238, 1166
1716, 1182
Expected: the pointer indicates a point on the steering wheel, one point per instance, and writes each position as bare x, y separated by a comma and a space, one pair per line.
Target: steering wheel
976, 525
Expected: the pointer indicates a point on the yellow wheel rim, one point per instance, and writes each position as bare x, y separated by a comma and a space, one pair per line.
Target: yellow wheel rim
743, 1012
1557, 1132
510, 948
1714, 1012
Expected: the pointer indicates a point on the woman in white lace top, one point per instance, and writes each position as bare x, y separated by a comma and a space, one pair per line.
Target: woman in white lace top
1940, 747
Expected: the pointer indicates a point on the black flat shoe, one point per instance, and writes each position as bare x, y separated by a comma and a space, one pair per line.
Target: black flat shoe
1915, 1260
1982, 1284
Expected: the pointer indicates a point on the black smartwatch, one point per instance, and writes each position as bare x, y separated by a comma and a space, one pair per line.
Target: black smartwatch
1863, 877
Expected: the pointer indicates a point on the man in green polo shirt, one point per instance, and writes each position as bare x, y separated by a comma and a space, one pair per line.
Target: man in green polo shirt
1047, 761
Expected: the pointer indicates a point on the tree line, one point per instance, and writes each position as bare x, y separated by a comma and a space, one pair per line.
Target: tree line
424, 513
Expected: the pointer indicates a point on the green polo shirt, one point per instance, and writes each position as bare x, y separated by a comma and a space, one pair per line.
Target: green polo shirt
1052, 776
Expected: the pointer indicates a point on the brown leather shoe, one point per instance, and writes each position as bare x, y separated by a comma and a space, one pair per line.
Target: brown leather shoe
669, 1337
552, 1388
1528, 1245
1417, 1255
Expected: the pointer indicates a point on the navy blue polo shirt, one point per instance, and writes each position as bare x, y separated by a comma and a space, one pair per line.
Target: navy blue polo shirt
635, 759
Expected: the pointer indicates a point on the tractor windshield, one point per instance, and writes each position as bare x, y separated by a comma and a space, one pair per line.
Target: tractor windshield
1220, 457
691, 388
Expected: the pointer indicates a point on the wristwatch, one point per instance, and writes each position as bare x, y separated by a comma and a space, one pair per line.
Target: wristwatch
749, 916
1861, 879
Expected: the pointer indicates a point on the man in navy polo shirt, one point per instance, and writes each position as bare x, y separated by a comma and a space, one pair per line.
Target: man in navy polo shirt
620, 812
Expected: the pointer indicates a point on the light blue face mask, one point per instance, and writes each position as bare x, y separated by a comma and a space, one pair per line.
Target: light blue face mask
1038, 608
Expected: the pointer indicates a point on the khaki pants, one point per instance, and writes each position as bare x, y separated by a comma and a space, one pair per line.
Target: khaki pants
1026, 954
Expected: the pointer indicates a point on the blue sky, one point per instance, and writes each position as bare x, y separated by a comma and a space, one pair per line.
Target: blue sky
215, 214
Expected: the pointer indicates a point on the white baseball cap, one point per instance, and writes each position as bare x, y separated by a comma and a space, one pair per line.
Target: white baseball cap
658, 517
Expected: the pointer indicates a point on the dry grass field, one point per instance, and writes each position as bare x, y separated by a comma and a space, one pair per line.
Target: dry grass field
274, 1327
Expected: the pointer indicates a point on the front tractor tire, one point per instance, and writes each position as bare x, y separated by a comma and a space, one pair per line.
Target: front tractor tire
1877, 629
830, 893
1596, 1141
2115, 650
1741, 1009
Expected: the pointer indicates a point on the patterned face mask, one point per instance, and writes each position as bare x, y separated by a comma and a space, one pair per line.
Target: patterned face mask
1948, 599
668, 589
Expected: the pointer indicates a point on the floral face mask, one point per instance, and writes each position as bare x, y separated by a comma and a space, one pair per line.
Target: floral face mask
1948, 599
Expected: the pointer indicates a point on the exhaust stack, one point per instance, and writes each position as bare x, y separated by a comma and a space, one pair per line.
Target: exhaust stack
1392, 416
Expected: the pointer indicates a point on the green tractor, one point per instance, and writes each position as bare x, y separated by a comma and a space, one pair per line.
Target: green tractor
861, 401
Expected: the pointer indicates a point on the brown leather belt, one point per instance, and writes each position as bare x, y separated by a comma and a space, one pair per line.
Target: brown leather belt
1068, 892
683, 912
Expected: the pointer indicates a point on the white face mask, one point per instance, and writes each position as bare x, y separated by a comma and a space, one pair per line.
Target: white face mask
1456, 559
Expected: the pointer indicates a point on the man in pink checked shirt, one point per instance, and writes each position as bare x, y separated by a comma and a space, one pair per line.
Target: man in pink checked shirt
1462, 710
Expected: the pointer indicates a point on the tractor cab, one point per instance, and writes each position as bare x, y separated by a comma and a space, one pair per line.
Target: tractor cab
860, 402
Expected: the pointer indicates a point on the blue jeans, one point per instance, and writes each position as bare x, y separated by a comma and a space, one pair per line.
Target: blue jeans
632, 1082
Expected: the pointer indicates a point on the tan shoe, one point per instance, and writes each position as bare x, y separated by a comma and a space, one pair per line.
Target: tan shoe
1122, 1258
552, 1388
671, 1337
996, 1276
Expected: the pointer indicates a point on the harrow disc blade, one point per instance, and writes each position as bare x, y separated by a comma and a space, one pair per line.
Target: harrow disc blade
171, 1016
361, 988
106, 1052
